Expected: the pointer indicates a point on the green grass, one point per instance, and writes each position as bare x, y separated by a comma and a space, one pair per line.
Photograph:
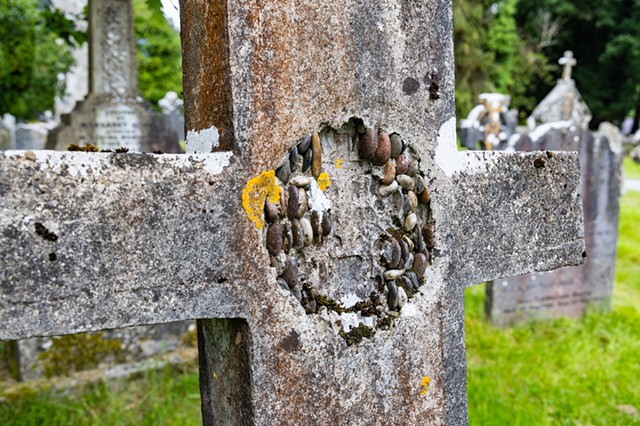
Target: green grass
168, 396
563, 372
631, 168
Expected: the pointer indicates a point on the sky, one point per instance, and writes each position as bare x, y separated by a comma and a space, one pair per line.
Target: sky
171, 9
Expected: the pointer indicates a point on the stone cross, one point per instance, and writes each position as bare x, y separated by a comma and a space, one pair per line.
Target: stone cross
568, 62
325, 245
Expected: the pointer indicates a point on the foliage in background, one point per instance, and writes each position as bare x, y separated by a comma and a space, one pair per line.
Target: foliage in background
492, 56
35, 47
631, 168
159, 52
605, 39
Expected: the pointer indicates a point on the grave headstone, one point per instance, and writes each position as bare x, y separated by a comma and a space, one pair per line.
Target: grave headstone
118, 349
325, 245
569, 291
173, 111
32, 135
77, 79
7, 132
112, 115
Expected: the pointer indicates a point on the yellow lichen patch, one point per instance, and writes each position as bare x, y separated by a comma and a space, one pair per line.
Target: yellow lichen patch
338, 163
424, 384
255, 192
324, 181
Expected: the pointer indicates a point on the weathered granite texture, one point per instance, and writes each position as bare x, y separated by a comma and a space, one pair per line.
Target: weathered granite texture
146, 239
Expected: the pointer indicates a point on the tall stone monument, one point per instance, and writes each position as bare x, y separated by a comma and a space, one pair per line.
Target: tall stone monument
112, 115
562, 121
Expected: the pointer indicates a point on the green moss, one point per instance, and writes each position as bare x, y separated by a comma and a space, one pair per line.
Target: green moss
396, 233
322, 300
10, 358
385, 323
78, 352
86, 148
356, 334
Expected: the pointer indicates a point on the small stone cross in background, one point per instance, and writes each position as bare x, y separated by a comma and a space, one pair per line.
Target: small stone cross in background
568, 62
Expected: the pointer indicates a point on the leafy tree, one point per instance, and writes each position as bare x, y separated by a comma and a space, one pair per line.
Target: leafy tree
35, 47
605, 38
159, 52
493, 56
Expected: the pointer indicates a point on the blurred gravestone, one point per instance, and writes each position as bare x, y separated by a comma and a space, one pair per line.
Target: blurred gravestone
112, 115
32, 135
173, 111
568, 291
324, 245
77, 79
564, 102
30, 359
8, 132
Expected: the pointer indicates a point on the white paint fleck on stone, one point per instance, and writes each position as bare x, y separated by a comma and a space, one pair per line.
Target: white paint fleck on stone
369, 321
409, 310
448, 157
213, 162
349, 300
317, 199
202, 141
349, 321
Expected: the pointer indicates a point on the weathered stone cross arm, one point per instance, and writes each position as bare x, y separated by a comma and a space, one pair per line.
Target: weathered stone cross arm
512, 214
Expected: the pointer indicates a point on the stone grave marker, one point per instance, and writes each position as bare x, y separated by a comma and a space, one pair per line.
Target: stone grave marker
564, 102
569, 291
323, 247
7, 132
112, 115
489, 124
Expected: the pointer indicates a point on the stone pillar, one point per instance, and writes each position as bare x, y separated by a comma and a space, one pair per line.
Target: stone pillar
112, 50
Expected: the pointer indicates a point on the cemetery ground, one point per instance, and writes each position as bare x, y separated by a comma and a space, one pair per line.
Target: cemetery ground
573, 372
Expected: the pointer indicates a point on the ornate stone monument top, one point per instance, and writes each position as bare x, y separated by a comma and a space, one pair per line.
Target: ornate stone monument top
112, 115
564, 102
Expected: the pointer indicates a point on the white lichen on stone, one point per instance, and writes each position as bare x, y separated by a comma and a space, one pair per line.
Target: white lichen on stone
202, 141
214, 162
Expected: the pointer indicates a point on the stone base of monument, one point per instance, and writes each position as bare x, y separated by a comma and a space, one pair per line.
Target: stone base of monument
111, 124
115, 352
